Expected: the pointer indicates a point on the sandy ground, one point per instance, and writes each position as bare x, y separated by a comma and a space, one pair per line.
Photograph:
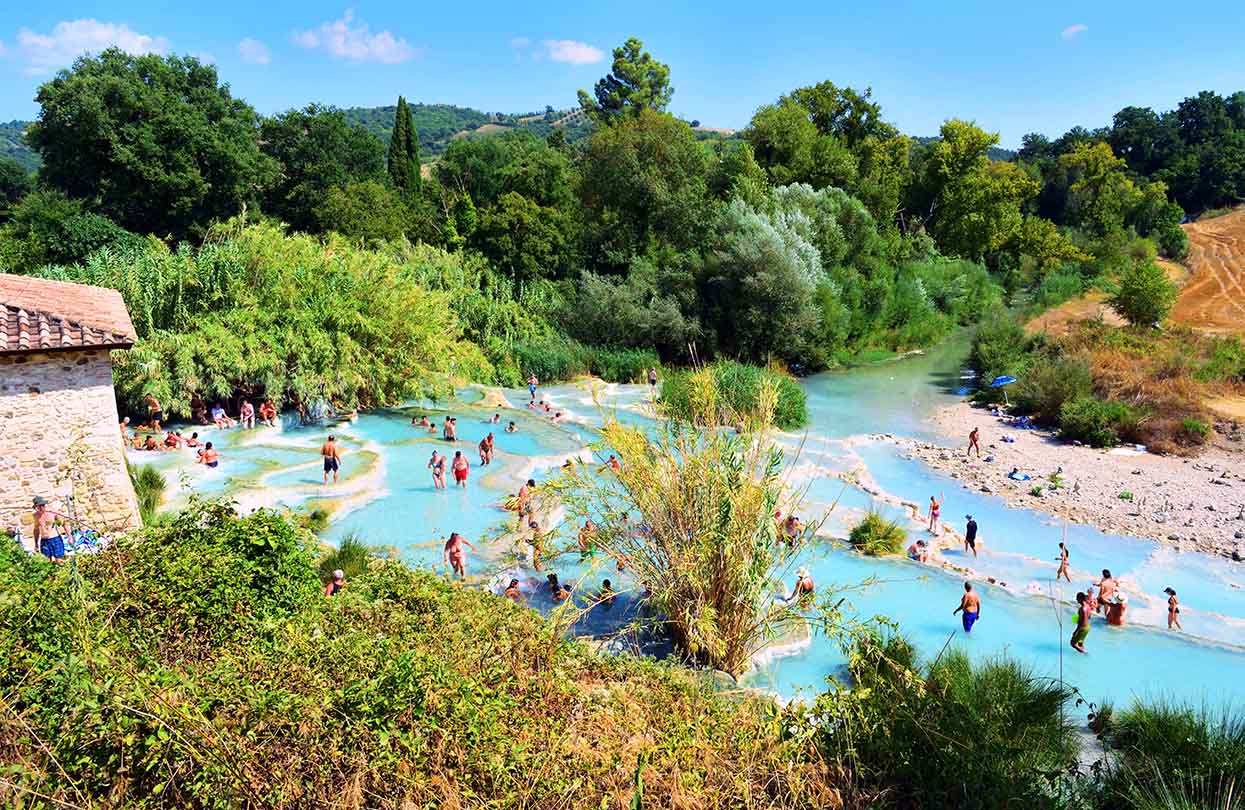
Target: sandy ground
1213, 300
1187, 503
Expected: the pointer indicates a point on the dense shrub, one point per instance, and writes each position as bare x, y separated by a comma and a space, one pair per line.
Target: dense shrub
200, 666
1092, 421
948, 734
1048, 383
738, 388
877, 536
998, 346
558, 358
1145, 295
1172, 756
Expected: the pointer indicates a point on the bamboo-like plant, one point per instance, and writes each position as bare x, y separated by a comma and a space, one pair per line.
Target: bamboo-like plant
691, 514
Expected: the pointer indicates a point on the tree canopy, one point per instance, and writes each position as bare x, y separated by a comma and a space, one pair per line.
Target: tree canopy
157, 143
636, 82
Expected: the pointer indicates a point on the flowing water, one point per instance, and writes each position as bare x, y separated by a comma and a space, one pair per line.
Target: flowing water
386, 497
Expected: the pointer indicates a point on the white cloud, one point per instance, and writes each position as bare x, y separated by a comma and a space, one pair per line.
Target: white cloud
355, 42
1073, 30
572, 52
68, 40
254, 51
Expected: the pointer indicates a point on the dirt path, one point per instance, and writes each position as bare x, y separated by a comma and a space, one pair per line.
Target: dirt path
1214, 298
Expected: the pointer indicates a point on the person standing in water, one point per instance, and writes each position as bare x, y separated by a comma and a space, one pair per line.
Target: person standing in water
1173, 610
437, 465
460, 466
332, 458
1107, 587
532, 382
935, 506
1082, 623
455, 556
973, 443
970, 536
652, 381
1063, 564
970, 604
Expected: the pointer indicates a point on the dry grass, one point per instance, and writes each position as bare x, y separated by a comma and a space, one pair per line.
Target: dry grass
1167, 378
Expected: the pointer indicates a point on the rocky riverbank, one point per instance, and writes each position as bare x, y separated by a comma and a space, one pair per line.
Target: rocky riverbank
1196, 504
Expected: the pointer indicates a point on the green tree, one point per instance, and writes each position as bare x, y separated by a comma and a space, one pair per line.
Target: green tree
367, 210
403, 158
156, 143
636, 82
524, 240
318, 150
47, 227
974, 203
1145, 295
1100, 193
15, 183
843, 112
643, 180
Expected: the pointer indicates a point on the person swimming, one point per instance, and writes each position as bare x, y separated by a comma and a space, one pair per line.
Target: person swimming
970, 604
513, 593
512, 428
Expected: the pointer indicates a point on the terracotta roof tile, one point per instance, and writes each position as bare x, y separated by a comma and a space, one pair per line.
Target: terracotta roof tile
38, 315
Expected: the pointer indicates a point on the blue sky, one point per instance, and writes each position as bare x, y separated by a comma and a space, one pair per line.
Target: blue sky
1012, 67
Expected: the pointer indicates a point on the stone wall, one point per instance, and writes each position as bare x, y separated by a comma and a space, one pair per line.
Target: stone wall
59, 438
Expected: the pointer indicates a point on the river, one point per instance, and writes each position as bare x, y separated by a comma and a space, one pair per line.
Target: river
387, 499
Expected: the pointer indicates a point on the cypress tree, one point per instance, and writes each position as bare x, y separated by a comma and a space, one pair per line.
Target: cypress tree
404, 150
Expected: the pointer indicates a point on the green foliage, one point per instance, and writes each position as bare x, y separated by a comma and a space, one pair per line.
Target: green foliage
13, 145
739, 390
954, 734
1092, 421
210, 642
1173, 756
876, 536
633, 312
149, 486
998, 348
15, 182
1048, 383
1195, 430
403, 157
47, 227
368, 211
560, 358
1144, 295
156, 143
297, 318
636, 82
318, 151
352, 556
526, 241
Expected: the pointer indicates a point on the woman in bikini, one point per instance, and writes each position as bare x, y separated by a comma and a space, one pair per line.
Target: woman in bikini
1063, 563
437, 465
1173, 610
486, 450
454, 555
935, 507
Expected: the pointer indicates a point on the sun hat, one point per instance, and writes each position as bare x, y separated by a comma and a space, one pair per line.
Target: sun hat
339, 574
1170, 591
801, 572
40, 501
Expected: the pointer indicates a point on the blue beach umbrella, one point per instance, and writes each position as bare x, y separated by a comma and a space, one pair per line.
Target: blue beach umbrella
1002, 382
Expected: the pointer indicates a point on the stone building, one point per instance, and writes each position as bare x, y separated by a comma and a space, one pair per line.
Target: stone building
59, 436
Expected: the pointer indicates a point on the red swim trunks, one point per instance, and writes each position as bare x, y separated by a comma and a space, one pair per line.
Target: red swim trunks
460, 475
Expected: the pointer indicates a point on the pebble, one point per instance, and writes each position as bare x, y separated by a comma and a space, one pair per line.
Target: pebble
1173, 537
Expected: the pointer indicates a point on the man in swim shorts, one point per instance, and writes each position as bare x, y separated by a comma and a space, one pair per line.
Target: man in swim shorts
970, 535
155, 414
970, 604
532, 382
332, 458
973, 439
49, 532
1082, 623
460, 466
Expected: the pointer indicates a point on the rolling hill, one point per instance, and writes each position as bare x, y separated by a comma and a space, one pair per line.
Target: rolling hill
13, 145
